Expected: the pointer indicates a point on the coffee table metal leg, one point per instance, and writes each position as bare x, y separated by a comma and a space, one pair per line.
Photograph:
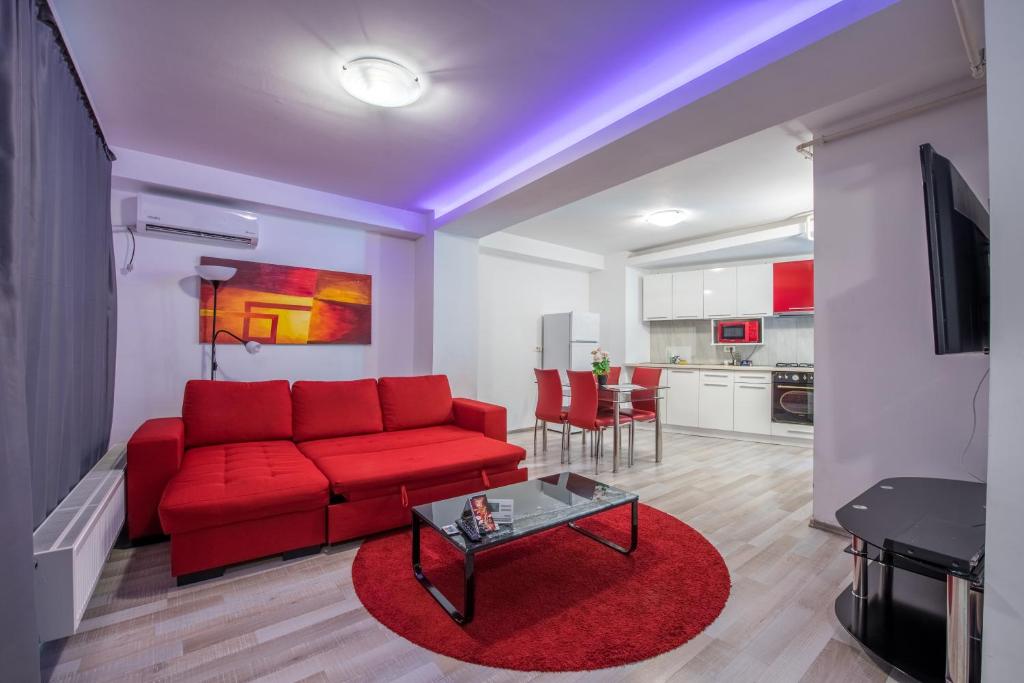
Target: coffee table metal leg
657, 430
468, 587
615, 435
633, 532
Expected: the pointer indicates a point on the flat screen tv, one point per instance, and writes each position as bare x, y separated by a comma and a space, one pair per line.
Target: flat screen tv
958, 255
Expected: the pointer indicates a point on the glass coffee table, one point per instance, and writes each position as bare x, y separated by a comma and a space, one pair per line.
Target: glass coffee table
538, 505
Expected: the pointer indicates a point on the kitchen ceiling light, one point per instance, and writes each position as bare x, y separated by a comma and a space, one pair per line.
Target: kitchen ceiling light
667, 217
381, 82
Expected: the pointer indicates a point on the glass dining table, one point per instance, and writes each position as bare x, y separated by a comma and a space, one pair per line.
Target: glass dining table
617, 395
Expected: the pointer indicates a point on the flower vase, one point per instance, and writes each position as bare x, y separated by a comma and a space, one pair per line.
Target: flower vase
602, 380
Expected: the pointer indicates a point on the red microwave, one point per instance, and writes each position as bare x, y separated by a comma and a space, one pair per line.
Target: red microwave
732, 332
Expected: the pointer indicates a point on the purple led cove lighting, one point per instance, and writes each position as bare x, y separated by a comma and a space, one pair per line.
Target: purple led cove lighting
730, 29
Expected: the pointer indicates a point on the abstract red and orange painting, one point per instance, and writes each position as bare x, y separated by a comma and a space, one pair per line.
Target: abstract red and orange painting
275, 304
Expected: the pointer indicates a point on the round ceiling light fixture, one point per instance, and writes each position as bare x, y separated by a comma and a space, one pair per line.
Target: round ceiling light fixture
666, 218
381, 82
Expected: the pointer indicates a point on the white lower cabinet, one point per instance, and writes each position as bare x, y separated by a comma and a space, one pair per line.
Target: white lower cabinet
725, 400
716, 400
792, 431
752, 405
683, 397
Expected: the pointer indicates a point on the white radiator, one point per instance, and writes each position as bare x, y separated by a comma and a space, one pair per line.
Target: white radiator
72, 544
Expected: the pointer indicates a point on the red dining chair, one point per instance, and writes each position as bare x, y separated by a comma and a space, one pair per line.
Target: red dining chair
614, 372
584, 413
644, 404
549, 408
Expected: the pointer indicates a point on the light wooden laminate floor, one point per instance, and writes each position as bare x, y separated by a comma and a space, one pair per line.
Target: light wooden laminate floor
300, 620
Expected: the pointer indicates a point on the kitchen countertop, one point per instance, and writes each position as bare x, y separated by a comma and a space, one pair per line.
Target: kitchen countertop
705, 366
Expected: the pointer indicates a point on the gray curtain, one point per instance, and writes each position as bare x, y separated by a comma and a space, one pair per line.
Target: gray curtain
57, 303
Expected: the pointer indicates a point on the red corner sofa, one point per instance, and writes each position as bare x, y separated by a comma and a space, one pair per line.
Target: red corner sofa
253, 469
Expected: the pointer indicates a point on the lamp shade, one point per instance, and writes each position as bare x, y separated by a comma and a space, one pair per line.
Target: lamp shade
216, 273
667, 217
253, 346
381, 82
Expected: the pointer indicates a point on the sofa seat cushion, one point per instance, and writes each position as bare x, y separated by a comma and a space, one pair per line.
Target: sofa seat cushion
385, 441
353, 472
228, 483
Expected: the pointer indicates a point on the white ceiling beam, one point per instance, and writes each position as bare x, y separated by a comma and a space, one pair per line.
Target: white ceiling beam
654, 258
142, 172
538, 251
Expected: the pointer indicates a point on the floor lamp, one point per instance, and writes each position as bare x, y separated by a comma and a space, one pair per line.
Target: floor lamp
216, 275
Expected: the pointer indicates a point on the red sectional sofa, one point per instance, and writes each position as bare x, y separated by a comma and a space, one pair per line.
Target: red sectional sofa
253, 469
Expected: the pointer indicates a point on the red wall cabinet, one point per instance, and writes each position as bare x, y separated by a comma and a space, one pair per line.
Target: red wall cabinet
794, 286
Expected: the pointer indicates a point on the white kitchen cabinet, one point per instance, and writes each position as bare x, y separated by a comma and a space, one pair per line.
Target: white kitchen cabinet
683, 397
793, 431
719, 292
752, 402
687, 295
715, 408
658, 296
754, 290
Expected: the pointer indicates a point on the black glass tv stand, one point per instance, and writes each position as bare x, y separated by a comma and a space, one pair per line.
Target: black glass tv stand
916, 598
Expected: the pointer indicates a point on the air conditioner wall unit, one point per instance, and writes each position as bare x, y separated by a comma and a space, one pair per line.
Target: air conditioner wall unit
176, 218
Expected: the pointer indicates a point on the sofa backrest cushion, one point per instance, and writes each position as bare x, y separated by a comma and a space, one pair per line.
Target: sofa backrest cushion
324, 410
412, 402
217, 412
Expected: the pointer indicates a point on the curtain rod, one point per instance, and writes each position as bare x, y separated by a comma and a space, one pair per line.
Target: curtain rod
45, 15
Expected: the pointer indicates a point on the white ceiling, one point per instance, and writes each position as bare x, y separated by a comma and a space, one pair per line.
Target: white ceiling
755, 180
251, 85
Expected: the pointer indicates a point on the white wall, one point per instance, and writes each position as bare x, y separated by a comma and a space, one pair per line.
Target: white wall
616, 294
1003, 656
637, 332
455, 314
514, 294
423, 303
157, 345
885, 404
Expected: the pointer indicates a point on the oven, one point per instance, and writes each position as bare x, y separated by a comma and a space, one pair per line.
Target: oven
793, 397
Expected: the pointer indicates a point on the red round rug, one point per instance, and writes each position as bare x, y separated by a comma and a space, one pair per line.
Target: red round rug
556, 601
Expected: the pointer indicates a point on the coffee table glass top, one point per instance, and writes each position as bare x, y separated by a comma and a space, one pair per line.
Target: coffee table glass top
538, 504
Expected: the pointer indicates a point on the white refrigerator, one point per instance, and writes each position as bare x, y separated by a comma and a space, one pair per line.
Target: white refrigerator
567, 340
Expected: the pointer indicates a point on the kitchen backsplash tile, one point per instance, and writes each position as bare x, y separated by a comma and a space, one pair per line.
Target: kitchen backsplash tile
788, 339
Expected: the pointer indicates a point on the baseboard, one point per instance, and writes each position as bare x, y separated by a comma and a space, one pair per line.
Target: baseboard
828, 526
